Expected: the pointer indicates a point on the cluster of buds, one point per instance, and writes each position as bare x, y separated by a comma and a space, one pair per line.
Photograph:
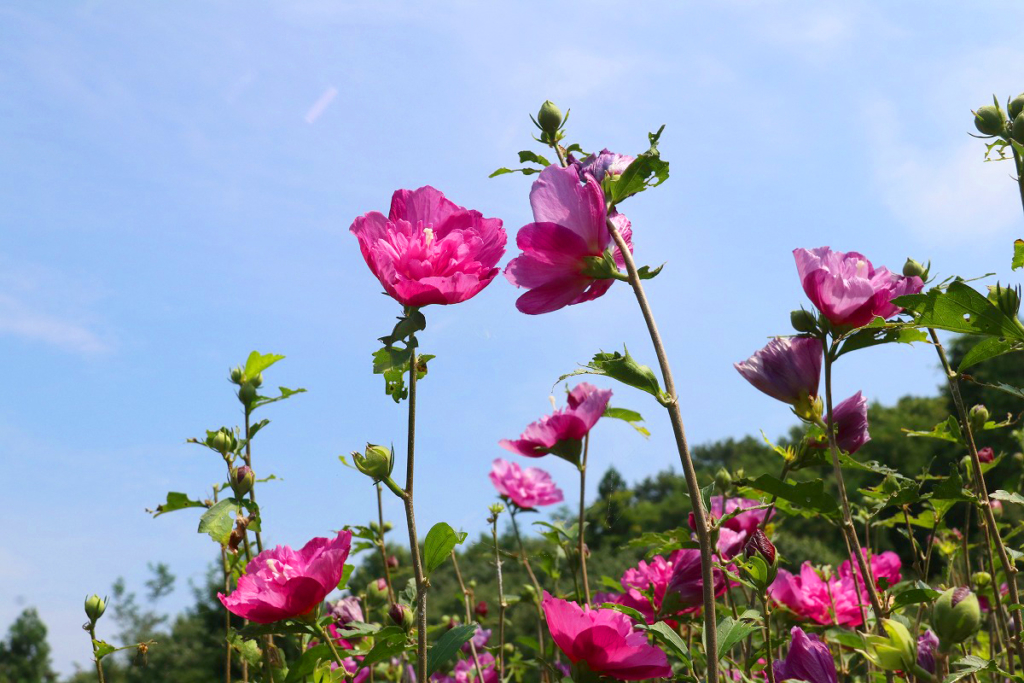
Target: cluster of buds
550, 122
247, 386
992, 121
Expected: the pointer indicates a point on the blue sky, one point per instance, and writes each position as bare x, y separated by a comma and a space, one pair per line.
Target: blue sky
177, 183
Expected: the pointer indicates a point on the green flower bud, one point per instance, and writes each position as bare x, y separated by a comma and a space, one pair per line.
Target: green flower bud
1006, 299
95, 606
376, 462
803, 321
912, 268
401, 615
895, 651
978, 416
377, 591
242, 479
247, 394
236, 375
955, 617
256, 381
510, 649
549, 118
723, 480
223, 440
1017, 129
989, 120
982, 579
1016, 106
388, 526
1018, 458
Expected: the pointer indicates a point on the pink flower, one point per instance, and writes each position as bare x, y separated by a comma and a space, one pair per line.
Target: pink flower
562, 245
280, 583
346, 610
604, 163
851, 418
527, 488
562, 432
479, 639
847, 289
808, 660
735, 531
685, 590
428, 250
986, 454
604, 641
787, 369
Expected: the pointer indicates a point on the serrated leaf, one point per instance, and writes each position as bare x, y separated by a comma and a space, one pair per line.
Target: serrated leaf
647, 170
1008, 496
646, 273
624, 368
1003, 387
387, 643
176, 501
959, 309
947, 430
346, 573
986, 349
732, 631
966, 666
248, 649
438, 545
258, 362
103, 648
667, 635
448, 645
807, 494
393, 363
873, 336
914, 596
285, 393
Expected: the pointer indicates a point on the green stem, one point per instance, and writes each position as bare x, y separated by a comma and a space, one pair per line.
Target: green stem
501, 600
1019, 163
467, 600
768, 638
252, 491
539, 595
414, 544
322, 632
383, 549
95, 655
582, 547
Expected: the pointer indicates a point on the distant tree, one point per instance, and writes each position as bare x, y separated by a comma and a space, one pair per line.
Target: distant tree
25, 654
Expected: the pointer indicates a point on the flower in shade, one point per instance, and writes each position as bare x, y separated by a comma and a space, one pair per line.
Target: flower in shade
851, 420
281, 583
603, 641
346, 610
564, 259
604, 163
428, 250
481, 609
986, 454
847, 289
562, 432
735, 531
527, 488
479, 639
926, 644
808, 660
787, 369
685, 590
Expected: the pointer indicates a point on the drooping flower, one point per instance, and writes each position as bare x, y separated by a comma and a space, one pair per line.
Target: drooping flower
603, 641
808, 660
429, 250
847, 289
281, 583
851, 420
564, 247
346, 610
527, 488
787, 369
604, 163
562, 432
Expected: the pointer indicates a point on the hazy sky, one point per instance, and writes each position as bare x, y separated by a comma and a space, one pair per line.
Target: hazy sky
176, 186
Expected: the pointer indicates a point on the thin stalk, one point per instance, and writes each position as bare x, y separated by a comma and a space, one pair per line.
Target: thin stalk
990, 528
671, 403
1019, 163
583, 515
322, 632
539, 593
501, 600
414, 544
383, 550
252, 491
227, 615
96, 658
768, 637
469, 615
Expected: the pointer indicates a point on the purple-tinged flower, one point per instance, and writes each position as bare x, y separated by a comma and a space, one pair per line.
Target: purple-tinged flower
926, 644
847, 289
346, 610
787, 369
565, 244
851, 419
428, 250
527, 488
479, 639
604, 163
808, 660
562, 432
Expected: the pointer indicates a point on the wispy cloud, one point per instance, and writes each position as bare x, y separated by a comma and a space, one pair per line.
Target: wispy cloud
320, 106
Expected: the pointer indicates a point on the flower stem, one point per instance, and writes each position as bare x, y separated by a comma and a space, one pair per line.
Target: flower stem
95, 656
322, 632
467, 600
383, 549
248, 463
672, 405
501, 599
583, 520
414, 544
1019, 164
768, 638
989, 526
539, 593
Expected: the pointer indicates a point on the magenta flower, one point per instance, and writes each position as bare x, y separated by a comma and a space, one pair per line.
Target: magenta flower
986, 454
787, 369
686, 586
603, 163
562, 245
479, 639
735, 531
428, 250
346, 610
603, 641
527, 488
808, 660
280, 583
851, 418
562, 432
847, 289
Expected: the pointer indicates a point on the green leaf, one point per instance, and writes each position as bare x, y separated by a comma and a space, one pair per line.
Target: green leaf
346, 572
807, 494
526, 156
914, 596
663, 542
1001, 386
631, 417
438, 545
176, 501
645, 272
393, 362
258, 362
387, 643
647, 170
966, 666
103, 648
960, 309
248, 649
1009, 497
1018, 255
524, 171
447, 645
985, 349
947, 430
219, 520
667, 635
634, 614
624, 368
254, 630
357, 629
951, 488
873, 336
307, 663
732, 631
285, 393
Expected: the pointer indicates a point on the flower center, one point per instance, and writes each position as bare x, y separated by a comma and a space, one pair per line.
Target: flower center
428, 236
278, 572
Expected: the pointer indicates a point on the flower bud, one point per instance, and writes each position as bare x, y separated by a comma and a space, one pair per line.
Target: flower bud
223, 440
895, 651
1018, 458
388, 526
1006, 299
1017, 129
1016, 106
803, 321
914, 269
481, 609
996, 507
989, 120
982, 579
401, 615
236, 375
759, 545
247, 394
986, 454
723, 480
955, 617
549, 118
375, 462
95, 606
242, 479
977, 416
509, 648
377, 591
392, 562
